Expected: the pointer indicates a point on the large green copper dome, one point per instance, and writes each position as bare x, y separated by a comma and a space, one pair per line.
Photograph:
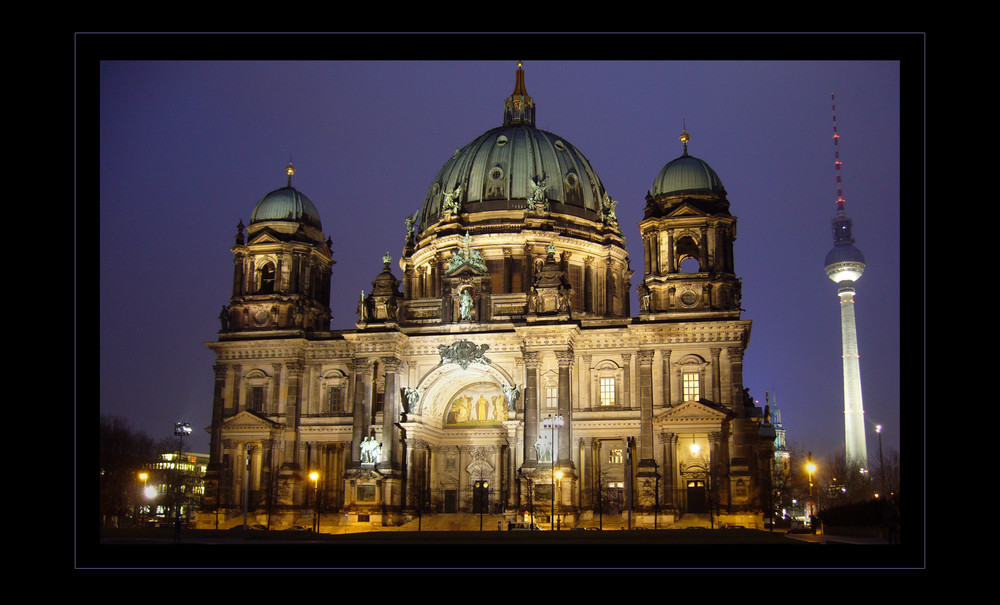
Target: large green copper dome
513, 166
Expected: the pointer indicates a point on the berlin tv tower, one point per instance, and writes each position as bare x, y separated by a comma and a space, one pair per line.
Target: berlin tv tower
844, 265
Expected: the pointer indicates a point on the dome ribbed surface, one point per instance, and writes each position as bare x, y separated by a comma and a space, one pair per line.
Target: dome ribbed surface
286, 204
498, 169
687, 174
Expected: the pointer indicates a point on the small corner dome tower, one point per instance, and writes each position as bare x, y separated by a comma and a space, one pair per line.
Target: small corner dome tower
687, 174
286, 204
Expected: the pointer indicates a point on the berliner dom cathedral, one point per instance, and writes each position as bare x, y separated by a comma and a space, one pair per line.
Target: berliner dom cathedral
495, 364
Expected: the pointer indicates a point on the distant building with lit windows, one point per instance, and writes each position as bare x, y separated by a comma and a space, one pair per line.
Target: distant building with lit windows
512, 309
172, 475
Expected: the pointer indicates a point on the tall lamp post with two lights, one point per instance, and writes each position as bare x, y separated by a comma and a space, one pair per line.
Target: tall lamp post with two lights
181, 430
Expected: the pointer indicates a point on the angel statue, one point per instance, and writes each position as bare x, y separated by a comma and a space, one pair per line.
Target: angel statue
538, 197
511, 393
451, 203
410, 221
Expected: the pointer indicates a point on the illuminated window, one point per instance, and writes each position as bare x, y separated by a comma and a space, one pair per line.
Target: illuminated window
692, 387
607, 394
615, 456
551, 397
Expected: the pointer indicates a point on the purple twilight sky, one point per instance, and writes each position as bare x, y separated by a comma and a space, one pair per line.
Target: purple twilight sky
189, 144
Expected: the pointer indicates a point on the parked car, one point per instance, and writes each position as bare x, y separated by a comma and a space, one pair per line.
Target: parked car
517, 526
255, 526
299, 528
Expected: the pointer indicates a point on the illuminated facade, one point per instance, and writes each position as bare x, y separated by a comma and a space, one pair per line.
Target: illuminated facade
504, 369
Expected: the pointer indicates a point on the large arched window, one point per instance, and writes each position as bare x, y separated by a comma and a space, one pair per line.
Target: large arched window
688, 254
692, 370
267, 277
333, 393
607, 384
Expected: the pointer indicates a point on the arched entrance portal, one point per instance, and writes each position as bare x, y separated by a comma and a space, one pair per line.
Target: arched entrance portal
465, 419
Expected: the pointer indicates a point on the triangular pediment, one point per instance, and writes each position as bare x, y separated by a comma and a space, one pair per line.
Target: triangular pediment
248, 421
686, 209
466, 268
265, 236
692, 413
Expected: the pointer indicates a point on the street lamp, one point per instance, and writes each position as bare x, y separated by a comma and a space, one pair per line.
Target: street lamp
142, 477
315, 479
481, 487
811, 468
553, 422
181, 430
881, 464
558, 478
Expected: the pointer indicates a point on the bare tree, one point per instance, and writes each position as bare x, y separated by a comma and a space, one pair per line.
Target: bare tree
124, 452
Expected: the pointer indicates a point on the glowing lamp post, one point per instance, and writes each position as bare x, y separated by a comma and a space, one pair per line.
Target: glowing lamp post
811, 468
553, 422
315, 479
181, 430
558, 477
145, 492
481, 487
881, 465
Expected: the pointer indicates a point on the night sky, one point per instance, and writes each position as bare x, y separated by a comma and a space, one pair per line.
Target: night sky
188, 144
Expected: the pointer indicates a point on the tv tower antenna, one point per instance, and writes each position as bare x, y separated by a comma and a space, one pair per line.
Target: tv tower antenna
844, 265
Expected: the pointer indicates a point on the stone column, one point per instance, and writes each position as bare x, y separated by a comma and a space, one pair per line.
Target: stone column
234, 400
362, 389
657, 265
218, 403
645, 359
531, 363
390, 415
565, 360
740, 445
716, 376
703, 251
647, 254
587, 474
238, 274
669, 441
627, 380
508, 270
667, 401
670, 253
214, 472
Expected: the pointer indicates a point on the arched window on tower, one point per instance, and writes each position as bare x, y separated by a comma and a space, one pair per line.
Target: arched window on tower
266, 279
687, 255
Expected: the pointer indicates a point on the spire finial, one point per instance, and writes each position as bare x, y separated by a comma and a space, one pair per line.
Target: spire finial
519, 108
290, 170
685, 137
